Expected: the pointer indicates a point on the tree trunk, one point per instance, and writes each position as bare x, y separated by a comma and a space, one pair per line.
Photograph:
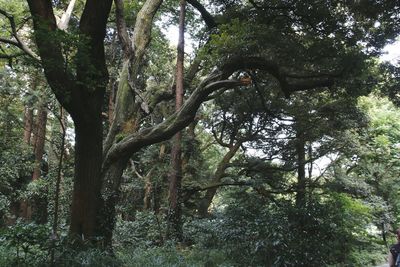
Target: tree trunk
20, 208
148, 190
28, 124
111, 194
175, 209
301, 173
40, 138
218, 175
86, 199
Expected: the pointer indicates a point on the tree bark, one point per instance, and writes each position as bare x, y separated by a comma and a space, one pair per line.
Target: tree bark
301, 173
40, 137
82, 96
175, 183
111, 194
86, 198
28, 124
37, 210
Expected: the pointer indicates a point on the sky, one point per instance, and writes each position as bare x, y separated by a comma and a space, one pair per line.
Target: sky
392, 52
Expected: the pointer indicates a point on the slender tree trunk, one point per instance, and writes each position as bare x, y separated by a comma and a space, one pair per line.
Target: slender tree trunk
218, 175
28, 124
37, 208
40, 137
301, 173
148, 190
58, 188
175, 209
20, 208
111, 101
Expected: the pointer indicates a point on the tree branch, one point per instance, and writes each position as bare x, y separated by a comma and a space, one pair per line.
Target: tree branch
50, 52
122, 30
64, 21
176, 122
18, 43
216, 81
302, 83
207, 17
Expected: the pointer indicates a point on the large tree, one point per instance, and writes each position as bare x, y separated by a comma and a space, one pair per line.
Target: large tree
301, 45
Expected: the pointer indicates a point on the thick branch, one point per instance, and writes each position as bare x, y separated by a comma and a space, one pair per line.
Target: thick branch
44, 24
216, 185
180, 119
171, 125
144, 19
207, 17
300, 83
125, 107
122, 29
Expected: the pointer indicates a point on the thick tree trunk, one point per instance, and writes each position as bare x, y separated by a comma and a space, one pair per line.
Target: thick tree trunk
175, 184
86, 200
218, 175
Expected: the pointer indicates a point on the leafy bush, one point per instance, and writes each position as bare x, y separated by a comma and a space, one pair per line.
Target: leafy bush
171, 255
24, 244
326, 231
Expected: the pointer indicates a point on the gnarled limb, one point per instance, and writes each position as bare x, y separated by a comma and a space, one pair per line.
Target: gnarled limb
165, 130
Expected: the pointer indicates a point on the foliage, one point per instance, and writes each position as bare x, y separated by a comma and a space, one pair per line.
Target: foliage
24, 244
255, 233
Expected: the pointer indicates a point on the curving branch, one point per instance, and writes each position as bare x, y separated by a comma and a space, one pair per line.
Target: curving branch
18, 42
207, 17
216, 81
289, 82
176, 122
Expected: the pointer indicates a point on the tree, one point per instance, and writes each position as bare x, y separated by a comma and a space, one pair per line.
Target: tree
175, 183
